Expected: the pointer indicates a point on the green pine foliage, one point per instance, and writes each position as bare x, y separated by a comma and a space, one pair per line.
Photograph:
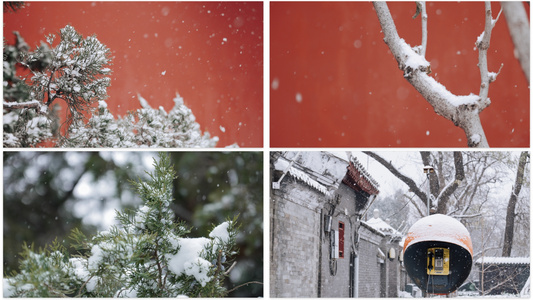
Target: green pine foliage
146, 255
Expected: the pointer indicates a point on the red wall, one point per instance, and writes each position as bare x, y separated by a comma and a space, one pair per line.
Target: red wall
354, 95
221, 81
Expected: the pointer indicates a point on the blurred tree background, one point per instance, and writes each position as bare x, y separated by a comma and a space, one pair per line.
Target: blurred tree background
47, 194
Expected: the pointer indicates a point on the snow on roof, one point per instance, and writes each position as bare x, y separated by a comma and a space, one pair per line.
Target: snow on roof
382, 226
439, 228
503, 260
308, 180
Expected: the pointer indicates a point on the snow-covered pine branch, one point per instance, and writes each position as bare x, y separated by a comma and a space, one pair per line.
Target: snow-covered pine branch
77, 73
147, 255
145, 127
463, 111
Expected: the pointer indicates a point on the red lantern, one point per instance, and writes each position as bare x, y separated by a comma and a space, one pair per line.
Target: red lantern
438, 254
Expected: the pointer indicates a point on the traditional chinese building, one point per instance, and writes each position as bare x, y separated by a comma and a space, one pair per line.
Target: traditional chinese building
320, 247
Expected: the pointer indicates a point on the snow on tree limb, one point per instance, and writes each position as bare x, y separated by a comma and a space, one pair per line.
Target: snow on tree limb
483, 44
421, 9
19, 105
408, 181
463, 111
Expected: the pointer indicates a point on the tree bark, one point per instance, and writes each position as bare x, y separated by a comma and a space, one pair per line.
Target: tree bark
444, 197
518, 25
509, 219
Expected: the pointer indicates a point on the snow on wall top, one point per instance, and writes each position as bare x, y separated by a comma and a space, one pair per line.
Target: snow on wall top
439, 228
498, 260
382, 226
308, 180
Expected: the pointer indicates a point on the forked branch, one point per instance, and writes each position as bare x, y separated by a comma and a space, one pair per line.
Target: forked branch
463, 111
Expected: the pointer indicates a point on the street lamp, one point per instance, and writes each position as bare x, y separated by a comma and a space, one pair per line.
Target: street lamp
428, 170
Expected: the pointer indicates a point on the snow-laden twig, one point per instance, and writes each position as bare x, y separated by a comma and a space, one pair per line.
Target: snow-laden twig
463, 111
19, 105
424, 18
483, 44
518, 25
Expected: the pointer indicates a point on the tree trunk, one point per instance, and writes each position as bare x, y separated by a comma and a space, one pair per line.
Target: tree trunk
443, 199
509, 219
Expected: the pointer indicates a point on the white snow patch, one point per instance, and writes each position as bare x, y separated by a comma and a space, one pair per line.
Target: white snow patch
96, 257
8, 289
475, 138
102, 104
413, 60
221, 232
451, 98
29, 103
492, 76
82, 273
308, 180
479, 39
382, 226
503, 260
188, 261
281, 165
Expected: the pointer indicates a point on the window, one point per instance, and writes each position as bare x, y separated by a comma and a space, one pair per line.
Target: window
341, 240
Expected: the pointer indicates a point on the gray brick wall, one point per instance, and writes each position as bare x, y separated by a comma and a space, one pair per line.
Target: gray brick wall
294, 242
369, 266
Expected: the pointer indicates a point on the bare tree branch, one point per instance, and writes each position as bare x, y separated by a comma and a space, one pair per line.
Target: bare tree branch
420, 212
518, 25
410, 183
424, 18
463, 111
483, 44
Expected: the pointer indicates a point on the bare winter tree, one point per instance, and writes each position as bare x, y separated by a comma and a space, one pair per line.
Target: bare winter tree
463, 111
439, 196
510, 218
464, 185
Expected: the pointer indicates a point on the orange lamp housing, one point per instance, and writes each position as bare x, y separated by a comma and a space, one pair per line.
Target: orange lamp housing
438, 254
